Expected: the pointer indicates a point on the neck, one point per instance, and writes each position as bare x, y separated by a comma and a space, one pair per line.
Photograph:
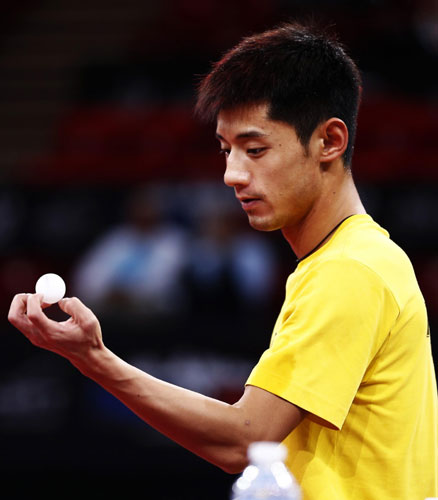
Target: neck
339, 199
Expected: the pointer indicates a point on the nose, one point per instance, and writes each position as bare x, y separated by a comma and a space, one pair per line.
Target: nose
235, 172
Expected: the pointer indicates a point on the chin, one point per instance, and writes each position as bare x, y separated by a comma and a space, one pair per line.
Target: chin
262, 224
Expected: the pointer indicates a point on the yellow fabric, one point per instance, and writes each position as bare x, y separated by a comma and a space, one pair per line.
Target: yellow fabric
351, 346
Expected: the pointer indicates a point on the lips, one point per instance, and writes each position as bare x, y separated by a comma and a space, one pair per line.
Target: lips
248, 201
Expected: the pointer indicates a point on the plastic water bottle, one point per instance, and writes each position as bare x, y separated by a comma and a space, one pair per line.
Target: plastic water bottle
266, 477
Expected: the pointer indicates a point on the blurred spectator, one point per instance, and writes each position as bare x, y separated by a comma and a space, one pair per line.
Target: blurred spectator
137, 265
231, 267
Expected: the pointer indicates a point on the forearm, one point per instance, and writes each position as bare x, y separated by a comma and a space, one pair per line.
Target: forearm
212, 429
216, 431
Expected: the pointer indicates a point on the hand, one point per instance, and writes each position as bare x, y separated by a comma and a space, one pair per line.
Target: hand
75, 338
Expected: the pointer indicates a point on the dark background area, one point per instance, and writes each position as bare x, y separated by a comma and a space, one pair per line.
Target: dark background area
98, 144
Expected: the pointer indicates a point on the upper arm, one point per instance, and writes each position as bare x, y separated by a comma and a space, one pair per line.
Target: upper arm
267, 416
334, 321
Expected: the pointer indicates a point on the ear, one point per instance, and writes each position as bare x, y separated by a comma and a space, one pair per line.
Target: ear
334, 135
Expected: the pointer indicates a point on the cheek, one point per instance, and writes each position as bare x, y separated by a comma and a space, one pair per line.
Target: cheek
301, 186
292, 174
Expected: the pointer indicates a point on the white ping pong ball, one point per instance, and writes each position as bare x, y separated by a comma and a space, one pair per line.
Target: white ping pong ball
52, 287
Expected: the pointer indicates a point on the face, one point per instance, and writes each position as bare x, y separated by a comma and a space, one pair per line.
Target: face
275, 178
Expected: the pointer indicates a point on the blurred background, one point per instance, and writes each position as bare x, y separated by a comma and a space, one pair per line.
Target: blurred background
107, 179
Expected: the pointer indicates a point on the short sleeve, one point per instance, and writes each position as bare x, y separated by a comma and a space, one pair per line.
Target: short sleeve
335, 318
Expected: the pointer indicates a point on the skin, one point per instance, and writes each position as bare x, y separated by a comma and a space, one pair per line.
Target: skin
303, 192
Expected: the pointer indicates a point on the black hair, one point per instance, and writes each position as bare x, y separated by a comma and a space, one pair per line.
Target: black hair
304, 75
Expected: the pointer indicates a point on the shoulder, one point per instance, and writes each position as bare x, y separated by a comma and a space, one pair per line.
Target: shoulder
338, 279
360, 249
362, 269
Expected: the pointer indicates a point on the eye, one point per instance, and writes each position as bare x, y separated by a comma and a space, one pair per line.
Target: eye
224, 151
256, 151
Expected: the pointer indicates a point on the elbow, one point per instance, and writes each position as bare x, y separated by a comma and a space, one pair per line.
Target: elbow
235, 460
234, 467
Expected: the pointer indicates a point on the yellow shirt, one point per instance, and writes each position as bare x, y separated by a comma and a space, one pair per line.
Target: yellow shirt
351, 346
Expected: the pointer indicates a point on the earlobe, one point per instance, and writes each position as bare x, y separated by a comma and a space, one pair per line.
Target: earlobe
334, 134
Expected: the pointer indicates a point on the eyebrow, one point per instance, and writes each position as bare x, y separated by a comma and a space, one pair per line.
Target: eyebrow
245, 135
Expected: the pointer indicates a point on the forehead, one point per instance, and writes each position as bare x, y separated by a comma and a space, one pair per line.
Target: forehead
249, 121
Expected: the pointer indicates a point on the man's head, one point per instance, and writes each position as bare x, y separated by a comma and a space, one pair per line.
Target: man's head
304, 77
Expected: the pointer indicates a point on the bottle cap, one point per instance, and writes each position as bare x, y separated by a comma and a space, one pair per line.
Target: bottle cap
266, 452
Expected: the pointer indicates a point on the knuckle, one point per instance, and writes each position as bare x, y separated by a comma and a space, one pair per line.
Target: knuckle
89, 324
12, 318
16, 322
33, 317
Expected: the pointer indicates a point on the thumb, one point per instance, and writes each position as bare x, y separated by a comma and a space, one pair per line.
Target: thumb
77, 310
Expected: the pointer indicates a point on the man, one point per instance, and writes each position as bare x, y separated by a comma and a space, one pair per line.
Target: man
348, 381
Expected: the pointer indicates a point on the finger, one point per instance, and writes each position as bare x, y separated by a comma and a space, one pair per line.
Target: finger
35, 313
77, 310
18, 305
17, 311
44, 305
